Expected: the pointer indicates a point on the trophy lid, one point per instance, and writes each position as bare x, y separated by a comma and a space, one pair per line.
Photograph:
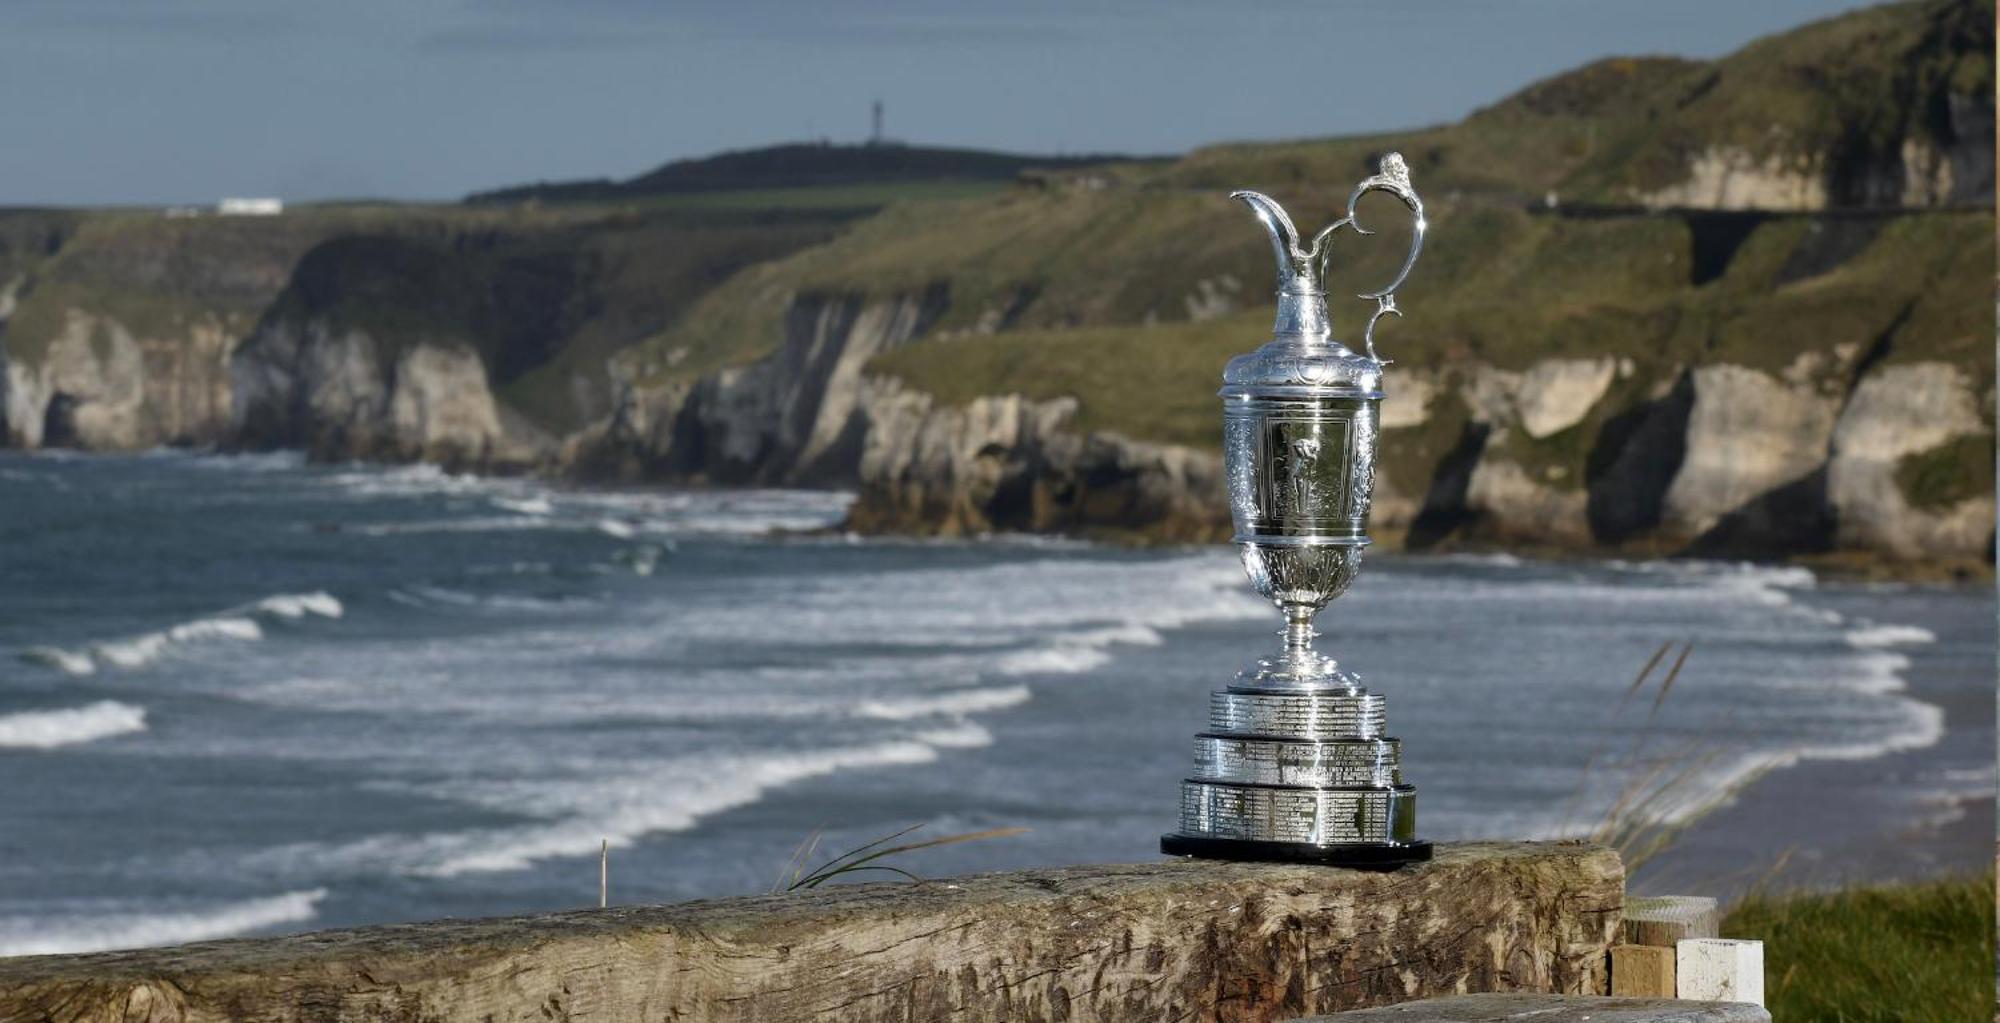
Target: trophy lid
1303, 367
1302, 358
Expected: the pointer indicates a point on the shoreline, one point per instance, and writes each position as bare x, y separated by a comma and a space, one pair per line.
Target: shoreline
1843, 565
1853, 822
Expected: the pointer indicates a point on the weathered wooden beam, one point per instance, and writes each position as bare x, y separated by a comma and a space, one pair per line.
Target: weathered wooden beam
1519, 1008
1160, 941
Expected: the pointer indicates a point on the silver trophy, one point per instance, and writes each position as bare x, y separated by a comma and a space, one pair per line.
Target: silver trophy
1294, 765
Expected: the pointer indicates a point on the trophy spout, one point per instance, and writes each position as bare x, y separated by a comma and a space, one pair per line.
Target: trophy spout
1301, 299
1298, 270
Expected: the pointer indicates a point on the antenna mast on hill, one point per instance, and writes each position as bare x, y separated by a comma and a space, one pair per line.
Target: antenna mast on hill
875, 136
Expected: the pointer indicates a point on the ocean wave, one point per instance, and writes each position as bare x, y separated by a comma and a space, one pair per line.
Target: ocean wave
1890, 635
1923, 726
488, 524
262, 461
619, 513
954, 704
422, 596
616, 808
299, 605
66, 931
48, 729
239, 624
69, 662
1062, 659
525, 505
139, 651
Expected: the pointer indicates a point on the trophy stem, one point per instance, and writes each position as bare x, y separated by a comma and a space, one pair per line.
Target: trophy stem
1299, 631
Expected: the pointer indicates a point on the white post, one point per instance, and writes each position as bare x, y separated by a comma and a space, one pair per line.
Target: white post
1720, 970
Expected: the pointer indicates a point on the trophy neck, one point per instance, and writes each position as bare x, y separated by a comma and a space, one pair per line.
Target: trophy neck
1302, 314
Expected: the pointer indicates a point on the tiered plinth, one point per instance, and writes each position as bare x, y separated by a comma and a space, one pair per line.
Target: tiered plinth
1298, 775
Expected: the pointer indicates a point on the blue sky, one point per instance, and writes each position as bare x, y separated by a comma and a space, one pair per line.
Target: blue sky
121, 101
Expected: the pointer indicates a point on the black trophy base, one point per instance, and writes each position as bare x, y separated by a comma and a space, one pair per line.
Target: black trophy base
1354, 857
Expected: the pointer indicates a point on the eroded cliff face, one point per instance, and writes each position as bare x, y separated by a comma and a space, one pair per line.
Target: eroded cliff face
121, 340
98, 386
796, 416
341, 393
1721, 459
1007, 463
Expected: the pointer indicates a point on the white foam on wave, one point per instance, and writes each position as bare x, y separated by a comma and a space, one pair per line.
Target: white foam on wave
298, 605
1848, 687
48, 729
525, 506
69, 662
422, 596
262, 461
139, 651
1922, 726
238, 624
621, 514
955, 704
417, 480
577, 813
70, 932
1890, 635
489, 524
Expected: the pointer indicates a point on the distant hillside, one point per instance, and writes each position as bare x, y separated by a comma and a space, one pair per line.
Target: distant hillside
1887, 106
1738, 307
800, 165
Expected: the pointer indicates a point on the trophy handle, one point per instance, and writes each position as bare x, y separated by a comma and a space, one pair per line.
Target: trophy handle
1393, 178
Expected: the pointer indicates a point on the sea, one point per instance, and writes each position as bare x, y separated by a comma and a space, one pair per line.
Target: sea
244, 694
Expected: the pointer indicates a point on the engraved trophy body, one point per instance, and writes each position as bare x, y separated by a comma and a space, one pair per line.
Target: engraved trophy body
1295, 765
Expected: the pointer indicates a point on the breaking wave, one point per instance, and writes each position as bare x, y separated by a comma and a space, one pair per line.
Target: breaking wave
70, 932
1890, 635
577, 813
235, 625
48, 729
956, 704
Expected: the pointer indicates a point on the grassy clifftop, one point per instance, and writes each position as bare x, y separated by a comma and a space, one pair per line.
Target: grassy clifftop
801, 169
1049, 285
1525, 288
1838, 96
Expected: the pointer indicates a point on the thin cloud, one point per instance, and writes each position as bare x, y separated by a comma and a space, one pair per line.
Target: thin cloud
99, 17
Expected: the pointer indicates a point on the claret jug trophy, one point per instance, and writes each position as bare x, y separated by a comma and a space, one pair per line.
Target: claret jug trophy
1295, 764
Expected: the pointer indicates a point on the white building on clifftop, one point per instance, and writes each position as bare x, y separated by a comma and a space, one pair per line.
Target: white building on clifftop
250, 207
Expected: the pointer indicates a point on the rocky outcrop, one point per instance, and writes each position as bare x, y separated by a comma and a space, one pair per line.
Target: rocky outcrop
1007, 463
1748, 434
1895, 413
343, 393
796, 416
1731, 178
97, 385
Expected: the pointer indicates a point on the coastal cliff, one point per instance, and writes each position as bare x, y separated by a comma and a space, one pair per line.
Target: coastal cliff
1737, 308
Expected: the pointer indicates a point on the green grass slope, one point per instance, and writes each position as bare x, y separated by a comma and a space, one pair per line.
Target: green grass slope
1097, 293
1897, 954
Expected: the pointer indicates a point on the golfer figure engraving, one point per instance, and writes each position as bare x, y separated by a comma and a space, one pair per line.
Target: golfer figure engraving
1295, 764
